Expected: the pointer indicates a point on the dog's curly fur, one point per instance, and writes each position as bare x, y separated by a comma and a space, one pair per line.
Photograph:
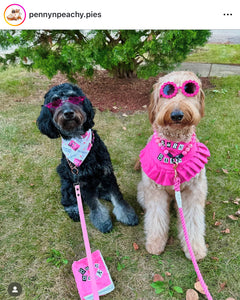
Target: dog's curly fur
96, 176
154, 198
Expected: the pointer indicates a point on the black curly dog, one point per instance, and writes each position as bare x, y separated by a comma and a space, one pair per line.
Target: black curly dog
95, 174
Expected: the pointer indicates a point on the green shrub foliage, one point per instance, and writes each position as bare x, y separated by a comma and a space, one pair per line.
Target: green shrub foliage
124, 53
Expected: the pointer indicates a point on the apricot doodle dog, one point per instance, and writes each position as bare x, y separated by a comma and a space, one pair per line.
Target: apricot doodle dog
176, 108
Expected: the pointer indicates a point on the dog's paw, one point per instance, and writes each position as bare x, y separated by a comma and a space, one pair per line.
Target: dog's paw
199, 250
73, 212
155, 247
101, 220
104, 227
126, 215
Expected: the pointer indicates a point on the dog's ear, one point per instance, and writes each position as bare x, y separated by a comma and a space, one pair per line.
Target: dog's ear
90, 113
202, 102
45, 124
152, 104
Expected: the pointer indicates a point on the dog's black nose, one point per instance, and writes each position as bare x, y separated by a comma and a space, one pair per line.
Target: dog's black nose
68, 114
177, 115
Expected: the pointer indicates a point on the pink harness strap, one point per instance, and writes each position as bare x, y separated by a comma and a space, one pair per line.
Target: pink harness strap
86, 243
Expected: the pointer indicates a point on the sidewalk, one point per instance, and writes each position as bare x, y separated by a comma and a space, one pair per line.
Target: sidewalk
207, 70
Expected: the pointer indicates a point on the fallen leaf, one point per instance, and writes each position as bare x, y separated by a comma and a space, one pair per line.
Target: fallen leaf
214, 214
137, 166
225, 171
222, 286
215, 258
237, 213
168, 273
135, 246
217, 223
191, 295
226, 201
124, 128
236, 201
157, 277
124, 115
227, 230
228, 153
198, 287
232, 217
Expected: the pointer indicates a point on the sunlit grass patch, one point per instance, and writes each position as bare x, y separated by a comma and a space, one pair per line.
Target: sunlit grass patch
216, 54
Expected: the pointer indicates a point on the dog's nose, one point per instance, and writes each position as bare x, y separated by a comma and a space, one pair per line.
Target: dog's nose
177, 115
68, 114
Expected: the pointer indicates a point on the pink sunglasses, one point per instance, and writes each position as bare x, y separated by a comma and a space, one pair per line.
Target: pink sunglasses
189, 88
59, 102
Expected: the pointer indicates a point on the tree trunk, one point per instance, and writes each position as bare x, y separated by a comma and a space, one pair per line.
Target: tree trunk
124, 71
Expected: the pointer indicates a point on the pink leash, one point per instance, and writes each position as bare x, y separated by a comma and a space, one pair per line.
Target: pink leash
86, 243
179, 203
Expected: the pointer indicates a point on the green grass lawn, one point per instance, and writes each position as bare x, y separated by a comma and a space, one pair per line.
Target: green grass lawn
34, 226
216, 54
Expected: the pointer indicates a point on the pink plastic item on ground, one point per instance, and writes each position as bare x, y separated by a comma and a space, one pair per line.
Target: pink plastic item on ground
82, 276
91, 273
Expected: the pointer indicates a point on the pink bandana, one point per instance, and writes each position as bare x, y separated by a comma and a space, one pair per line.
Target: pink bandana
77, 149
160, 155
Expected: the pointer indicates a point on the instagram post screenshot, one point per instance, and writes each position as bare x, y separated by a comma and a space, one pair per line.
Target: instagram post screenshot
119, 150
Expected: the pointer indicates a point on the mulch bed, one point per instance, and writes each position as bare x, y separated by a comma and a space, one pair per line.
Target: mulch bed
116, 94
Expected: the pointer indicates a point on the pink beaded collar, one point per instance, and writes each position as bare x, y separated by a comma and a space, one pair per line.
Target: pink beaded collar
160, 156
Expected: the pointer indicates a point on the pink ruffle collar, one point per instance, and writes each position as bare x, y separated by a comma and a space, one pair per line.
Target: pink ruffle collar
160, 155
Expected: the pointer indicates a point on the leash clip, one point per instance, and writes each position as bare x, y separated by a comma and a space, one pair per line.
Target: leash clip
74, 171
175, 170
177, 186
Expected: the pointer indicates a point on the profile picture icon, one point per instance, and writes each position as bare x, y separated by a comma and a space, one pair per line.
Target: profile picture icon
14, 14
14, 289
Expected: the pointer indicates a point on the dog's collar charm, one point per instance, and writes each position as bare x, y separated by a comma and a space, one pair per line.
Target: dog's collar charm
77, 149
159, 157
173, 152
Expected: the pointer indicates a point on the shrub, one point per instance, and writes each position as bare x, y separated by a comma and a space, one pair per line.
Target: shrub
124, 53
